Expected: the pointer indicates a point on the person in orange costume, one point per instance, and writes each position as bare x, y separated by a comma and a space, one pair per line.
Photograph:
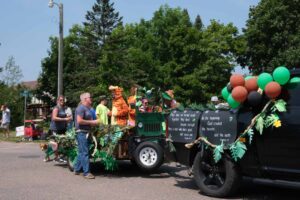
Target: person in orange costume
131, 102
119, 107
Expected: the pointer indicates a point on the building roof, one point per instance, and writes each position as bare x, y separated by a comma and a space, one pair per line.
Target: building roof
31, 85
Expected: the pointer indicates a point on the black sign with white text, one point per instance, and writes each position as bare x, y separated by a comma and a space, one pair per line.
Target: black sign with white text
218, 126
183, 125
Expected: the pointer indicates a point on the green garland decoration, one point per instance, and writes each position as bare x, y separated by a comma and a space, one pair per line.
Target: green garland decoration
104, 142
266, 118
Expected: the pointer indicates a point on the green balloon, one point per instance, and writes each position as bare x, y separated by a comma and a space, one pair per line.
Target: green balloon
281, 75
233, 103
248, 77
225, 93
263, 80
292, 84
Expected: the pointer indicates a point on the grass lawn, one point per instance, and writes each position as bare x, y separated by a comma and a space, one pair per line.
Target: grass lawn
13, 138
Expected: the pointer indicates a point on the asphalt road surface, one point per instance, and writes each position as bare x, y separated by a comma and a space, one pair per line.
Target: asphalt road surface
24, 175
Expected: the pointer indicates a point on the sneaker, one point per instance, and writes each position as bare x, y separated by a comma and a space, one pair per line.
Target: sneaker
89, 176
61, 160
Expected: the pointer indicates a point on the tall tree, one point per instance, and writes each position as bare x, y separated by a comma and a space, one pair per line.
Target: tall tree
11, 74
198, 22
273, 36
100, 22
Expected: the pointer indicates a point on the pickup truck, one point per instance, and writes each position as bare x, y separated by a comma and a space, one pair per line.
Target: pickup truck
272, 158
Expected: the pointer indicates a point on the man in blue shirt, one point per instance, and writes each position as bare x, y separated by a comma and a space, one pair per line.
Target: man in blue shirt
83, 123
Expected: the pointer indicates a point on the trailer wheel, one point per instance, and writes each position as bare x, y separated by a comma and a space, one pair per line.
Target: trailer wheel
149, 156
217, 180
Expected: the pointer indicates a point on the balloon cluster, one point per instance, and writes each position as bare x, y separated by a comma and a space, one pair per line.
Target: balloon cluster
250, 88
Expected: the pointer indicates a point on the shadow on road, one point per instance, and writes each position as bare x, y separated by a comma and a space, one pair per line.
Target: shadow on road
247, 191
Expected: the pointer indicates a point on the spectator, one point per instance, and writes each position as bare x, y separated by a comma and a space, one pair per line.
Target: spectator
5, 121
83, 123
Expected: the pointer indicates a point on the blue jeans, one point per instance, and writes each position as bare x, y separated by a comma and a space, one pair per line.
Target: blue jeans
83, 160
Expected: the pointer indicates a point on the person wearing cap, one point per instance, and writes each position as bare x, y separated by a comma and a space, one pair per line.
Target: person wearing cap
169, 101
102, 112
218, 105
215, 101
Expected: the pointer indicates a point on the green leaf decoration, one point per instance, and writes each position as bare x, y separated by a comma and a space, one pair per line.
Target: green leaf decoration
271, 119
250, 134
279, 106
219, 149
260, 124
102, 143
211, 106
237, 150
138, 104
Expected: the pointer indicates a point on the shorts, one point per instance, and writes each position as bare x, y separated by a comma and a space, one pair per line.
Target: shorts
5, 126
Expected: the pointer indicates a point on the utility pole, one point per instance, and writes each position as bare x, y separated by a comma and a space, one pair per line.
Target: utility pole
60, 47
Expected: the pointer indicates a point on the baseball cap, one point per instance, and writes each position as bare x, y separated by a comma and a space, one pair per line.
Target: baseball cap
214, 98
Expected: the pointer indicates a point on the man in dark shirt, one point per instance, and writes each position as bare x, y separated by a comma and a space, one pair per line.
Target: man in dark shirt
83, 123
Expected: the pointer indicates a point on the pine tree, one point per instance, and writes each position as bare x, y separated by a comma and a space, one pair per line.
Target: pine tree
198, 22
102, 20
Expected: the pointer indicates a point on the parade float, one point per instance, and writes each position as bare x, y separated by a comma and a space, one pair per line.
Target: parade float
142, 144
257, 136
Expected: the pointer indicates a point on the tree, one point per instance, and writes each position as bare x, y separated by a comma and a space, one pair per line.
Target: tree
198, 23
169, 52
272, 35
100, 22
12, 73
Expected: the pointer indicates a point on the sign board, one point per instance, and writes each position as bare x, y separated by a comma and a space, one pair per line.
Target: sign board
183, 125
218, 126
19, 131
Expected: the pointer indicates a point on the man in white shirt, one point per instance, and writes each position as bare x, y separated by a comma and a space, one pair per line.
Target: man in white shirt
5, 121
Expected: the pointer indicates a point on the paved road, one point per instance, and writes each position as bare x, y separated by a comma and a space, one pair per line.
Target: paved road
23, 175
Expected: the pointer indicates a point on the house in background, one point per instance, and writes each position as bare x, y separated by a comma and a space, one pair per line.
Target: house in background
36, 108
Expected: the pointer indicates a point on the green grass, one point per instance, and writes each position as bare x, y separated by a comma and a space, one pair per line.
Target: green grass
14, 138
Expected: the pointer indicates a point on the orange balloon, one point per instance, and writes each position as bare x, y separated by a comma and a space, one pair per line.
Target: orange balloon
239, 94
273, 90
237, 80
251, 84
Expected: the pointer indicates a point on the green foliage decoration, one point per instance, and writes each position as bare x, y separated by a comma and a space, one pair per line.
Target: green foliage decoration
237, 150
218, 151
250, 134
260, 124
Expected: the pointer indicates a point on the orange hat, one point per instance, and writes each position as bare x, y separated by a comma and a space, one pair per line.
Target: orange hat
170, 93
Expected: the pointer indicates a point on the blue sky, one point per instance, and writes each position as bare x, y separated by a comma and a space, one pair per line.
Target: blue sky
26, 25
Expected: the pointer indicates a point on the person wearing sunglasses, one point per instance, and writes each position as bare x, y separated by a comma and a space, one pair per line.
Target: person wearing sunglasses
59, 117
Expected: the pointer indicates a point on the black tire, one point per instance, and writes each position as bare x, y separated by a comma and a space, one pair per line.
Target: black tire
154, 153
217, 180
71, 163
